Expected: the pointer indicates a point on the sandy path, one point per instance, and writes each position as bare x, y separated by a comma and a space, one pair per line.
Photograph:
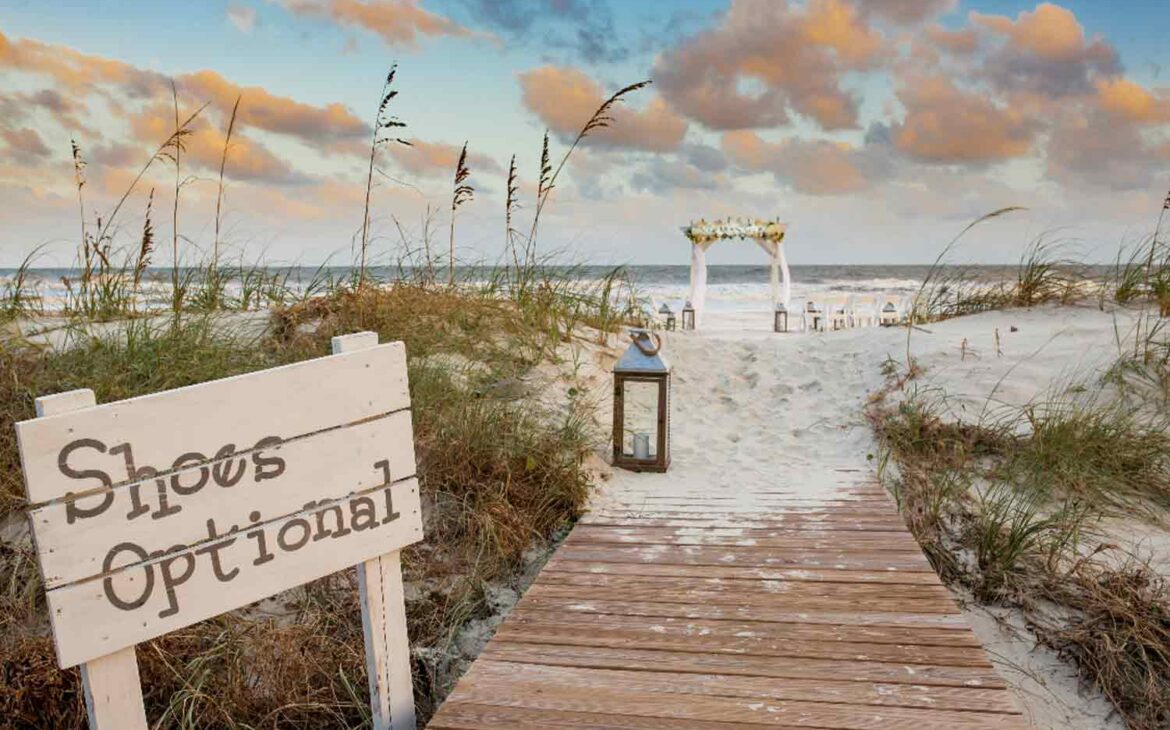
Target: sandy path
752, 410
756, 415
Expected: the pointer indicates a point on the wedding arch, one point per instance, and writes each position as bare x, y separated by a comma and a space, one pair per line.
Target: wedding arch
768, 235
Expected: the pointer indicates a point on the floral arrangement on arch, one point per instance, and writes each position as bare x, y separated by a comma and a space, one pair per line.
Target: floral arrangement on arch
741, 228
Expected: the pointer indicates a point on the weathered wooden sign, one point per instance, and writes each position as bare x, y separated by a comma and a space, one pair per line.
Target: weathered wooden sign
153, 513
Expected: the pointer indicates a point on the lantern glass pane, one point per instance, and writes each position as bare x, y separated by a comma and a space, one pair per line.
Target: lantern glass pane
640, 419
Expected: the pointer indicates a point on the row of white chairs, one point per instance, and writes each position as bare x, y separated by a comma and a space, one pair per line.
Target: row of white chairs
833, 312
855, 310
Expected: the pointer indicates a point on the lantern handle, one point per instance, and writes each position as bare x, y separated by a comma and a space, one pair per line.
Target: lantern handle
647, 351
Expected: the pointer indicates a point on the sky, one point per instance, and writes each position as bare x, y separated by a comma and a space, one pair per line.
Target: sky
877, 129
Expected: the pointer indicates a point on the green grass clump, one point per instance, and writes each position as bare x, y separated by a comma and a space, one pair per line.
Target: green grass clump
498, 475
1098, 450
133, 358
1006, 508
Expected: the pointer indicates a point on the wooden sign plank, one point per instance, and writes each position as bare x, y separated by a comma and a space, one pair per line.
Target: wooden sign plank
209, 500
154, 432
136, 603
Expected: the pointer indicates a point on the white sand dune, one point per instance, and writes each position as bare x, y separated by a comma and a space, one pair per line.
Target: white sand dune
758, 416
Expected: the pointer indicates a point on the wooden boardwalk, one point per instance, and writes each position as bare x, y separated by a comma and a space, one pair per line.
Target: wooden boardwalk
699, 612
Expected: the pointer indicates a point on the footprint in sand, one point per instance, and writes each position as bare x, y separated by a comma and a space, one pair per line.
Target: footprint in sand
781, 391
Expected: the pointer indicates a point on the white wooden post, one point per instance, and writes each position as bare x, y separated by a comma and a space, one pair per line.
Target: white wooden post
384, 615
113, 693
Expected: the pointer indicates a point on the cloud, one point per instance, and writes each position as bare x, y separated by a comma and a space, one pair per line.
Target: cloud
25, 146
1079, 155
315, 125
768, 59
703, 157
1118, 139
74, 70
1133, 102
908, 12
203, 148
565, 99
960, 42
814, 167
437, 159
243, 18
586, 30
397, 22
945, 124
79, 73
1045, 51
661, 174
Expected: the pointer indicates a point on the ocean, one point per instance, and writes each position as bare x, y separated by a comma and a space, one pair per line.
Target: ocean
729, 287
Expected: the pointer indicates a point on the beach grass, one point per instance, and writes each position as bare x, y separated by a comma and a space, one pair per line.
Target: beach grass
498, 476
1006, 506
502, 472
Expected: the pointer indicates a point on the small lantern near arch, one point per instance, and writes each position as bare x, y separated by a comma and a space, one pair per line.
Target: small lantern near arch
641, 406
668, 320
780, 322
688, 316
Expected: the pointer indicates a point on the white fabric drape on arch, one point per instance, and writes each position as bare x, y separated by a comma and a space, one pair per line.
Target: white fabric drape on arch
780, 277
699, 279
781, 291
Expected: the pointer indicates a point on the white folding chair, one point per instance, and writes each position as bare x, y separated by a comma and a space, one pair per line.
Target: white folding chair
864, 311
837, 313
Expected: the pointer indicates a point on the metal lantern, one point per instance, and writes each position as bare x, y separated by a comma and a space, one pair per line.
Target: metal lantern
889, 315
688, 316
641, 406
780, 324
667, 317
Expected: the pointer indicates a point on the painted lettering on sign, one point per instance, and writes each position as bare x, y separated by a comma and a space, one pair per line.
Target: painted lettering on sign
322, 520
226, 472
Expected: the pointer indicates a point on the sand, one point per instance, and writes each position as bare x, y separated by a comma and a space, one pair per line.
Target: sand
754, 411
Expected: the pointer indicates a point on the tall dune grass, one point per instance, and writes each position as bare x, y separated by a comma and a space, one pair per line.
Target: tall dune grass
499, 473
1006, 504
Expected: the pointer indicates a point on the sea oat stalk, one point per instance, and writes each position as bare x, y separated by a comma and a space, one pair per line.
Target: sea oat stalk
461, 193
382, 134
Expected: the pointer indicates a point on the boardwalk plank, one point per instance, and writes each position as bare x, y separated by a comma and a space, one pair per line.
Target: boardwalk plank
976, 699
706, 611
748, 665
756, 641
520, 691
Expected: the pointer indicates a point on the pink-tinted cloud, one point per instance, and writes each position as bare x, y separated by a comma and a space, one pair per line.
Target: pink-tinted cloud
1133, 102
203, 148
80, 74
397, 22
315, 125
945, 124
960, 42
565, 99
25, 146
767, 59
908, 12
1079, 155
1045, 51
814, 167
437, 159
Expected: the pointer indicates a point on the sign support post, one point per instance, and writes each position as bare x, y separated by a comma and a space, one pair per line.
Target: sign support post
383, 602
